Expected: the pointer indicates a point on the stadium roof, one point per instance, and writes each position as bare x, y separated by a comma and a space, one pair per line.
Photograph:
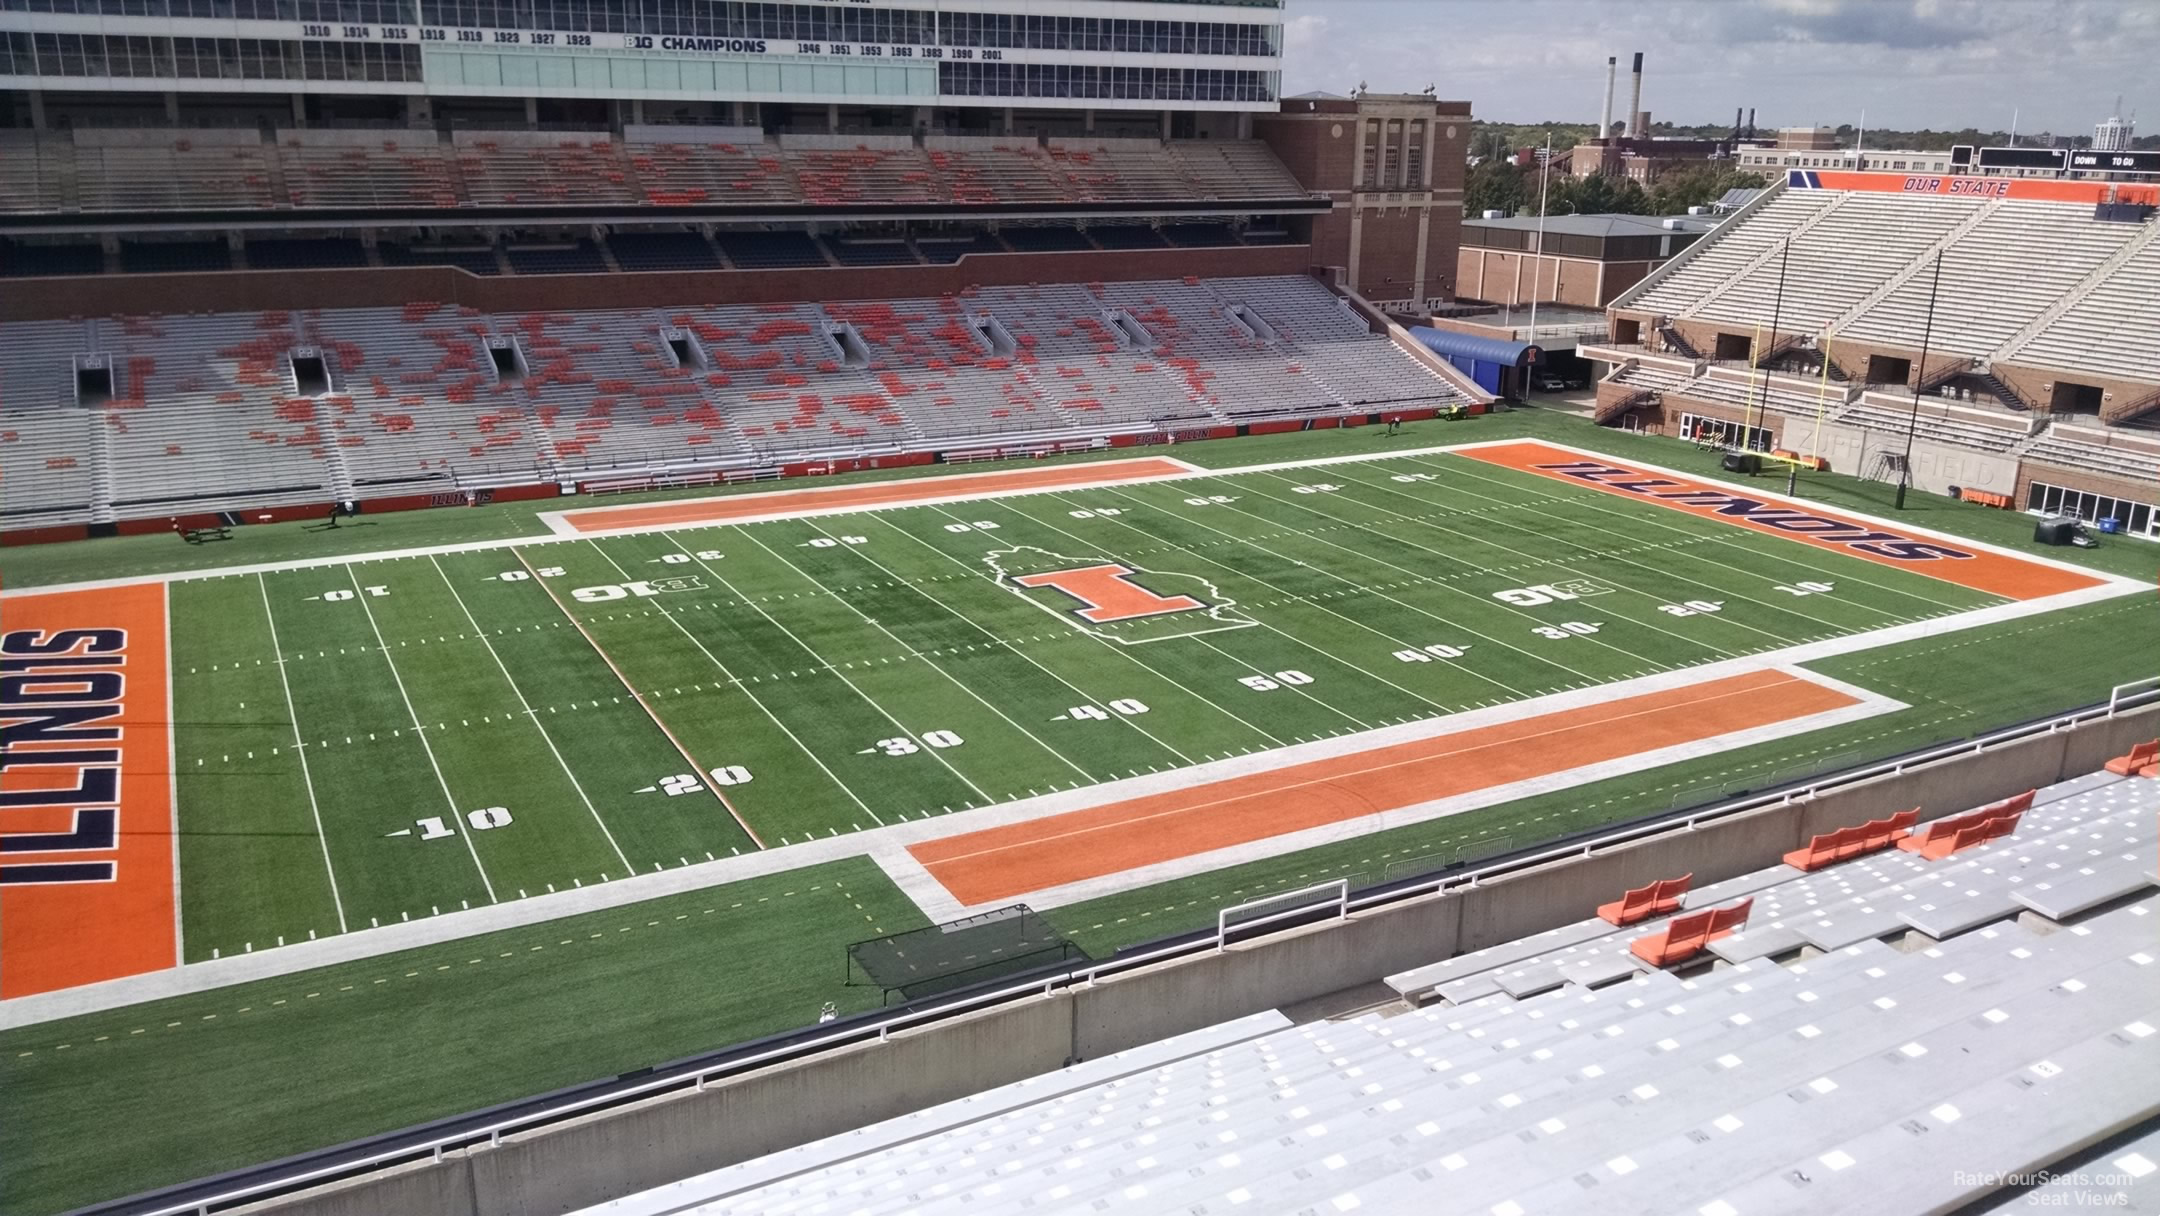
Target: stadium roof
1609, 225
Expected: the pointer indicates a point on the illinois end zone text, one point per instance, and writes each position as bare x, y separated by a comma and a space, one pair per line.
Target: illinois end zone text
61, 694
86, 809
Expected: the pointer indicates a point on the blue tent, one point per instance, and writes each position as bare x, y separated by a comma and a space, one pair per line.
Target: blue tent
1482, 359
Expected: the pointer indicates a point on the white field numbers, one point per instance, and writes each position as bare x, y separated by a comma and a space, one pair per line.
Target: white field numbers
1123, 706
1096, 512
902, 745
833, 542
1549, 593
1426, 654
1692, 607
1318, 487
683, 559
519, 576
636, 589
1278, 680
1410, 477
1211, 500
1567, 629
688, 783
980, 525
485, 819
341, 594
1810, 587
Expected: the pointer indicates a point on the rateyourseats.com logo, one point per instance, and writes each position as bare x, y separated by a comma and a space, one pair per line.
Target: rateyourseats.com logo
2075, 1189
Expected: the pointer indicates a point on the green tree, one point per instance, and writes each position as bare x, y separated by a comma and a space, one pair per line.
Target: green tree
1489, 143
1494, 185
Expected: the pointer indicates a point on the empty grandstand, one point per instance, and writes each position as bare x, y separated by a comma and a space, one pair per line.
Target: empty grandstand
138, 417
2020, 313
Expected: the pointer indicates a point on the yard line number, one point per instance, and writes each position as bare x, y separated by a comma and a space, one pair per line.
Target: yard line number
902, 745
1125, 706
1426, 654
1549, 593
688, 783
1810, 587
1271, 683
485, 819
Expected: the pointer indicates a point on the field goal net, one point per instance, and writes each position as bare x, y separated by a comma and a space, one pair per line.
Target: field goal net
922, 962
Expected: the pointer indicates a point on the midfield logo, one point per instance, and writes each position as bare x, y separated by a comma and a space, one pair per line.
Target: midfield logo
1113, 599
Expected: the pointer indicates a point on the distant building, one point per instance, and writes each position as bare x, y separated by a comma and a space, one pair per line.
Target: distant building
1585, 262
1874, 160
2113, 134
1395, 228
1807, 139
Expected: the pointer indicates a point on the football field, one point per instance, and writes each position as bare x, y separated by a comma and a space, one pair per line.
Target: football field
357, 744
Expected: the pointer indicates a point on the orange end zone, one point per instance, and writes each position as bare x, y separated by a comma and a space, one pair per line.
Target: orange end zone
86, 871
1000, 863
1995, 573
879, 494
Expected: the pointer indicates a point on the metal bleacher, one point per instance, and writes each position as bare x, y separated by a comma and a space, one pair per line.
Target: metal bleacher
207, 410
1959, 1020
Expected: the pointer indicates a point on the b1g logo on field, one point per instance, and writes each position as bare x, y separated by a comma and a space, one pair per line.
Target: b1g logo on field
1113, 599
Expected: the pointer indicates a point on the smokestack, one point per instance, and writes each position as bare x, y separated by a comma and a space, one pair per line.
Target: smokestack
1612, 69
1634, 110
1751, 122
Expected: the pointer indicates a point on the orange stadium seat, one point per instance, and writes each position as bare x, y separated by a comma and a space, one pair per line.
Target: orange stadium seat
1657, 899
1684, 937
1849, 842
1942, 829
2141, 758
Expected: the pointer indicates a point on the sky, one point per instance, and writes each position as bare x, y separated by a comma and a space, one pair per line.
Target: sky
1944, 64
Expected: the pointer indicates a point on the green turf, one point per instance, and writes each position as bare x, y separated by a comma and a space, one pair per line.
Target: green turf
100, 1106
803, 688
501, 724
1958, 686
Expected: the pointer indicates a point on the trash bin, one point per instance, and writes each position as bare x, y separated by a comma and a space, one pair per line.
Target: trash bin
2110, 525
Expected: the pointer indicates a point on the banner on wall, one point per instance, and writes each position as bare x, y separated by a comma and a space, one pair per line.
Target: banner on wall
2052, 190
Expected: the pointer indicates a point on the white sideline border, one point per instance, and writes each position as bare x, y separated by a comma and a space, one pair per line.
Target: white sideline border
560, 522
886, 846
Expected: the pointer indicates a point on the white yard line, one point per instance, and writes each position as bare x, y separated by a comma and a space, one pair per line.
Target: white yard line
1118, 648
1327, 654
533, 716
292, 713
712, 786
731, 678
1398, 643
449, 799
998, 641
867, 619
888, 845
1431, 522
539, 539
560, 522
1727, 536
1316, 508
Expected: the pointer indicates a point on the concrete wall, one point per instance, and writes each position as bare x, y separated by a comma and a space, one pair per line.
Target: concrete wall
559, 1168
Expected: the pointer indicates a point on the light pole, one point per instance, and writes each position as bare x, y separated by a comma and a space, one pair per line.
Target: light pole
1912, 424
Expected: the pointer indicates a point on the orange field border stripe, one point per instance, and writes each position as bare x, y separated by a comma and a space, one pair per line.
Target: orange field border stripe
1000, 863
1951, 561
893, 493
59, 935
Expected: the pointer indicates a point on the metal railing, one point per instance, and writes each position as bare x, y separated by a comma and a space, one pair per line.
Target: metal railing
430, 1144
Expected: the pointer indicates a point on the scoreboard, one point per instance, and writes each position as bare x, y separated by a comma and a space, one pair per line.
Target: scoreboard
2115, 162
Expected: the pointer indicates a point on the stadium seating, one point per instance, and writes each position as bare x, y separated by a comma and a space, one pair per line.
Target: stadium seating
305, 254
160, 169
170, 257
1561, 1075
208, 409
1846, 843
2137, 760
361, 169
770, 250
123, 169
577, 257
22, 259
1661, 898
